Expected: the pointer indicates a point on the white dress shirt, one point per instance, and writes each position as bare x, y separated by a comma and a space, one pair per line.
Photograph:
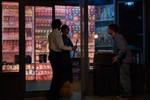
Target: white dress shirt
56, 41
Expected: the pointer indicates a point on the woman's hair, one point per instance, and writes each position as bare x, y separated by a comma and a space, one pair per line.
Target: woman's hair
56, 23
114, 27
64, 27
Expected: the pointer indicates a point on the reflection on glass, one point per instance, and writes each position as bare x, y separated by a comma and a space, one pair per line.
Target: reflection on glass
10, 36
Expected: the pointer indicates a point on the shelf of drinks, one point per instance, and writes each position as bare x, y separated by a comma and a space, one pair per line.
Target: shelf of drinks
43, 11
10, 18
43, 19
60, 10
15, 29
15, 13
10, 21
28, 15
38, 78
41, 39
63, 18
10, 71
38, 71
43, 27
10, 36
29, 39
41, 49
48, 16
48, 29
41, 31
6, 26
9, 10
8, 5
13, 51
28, 25
10, 39
38, 66
10, 68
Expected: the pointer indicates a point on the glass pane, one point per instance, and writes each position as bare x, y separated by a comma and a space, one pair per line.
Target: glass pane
10, 36
38, 26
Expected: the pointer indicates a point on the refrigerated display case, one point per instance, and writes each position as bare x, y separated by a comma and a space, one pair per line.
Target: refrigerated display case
38, 26
104, 16
43, 19
10, 37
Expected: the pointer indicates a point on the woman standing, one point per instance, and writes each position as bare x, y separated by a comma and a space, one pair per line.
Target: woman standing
68, 76
56, 46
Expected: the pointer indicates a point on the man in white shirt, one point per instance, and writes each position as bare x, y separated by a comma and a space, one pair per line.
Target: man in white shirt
56, 45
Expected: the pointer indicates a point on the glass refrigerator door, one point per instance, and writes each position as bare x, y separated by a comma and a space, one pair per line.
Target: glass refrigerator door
43, 19
38, 26
29, 37
10, 37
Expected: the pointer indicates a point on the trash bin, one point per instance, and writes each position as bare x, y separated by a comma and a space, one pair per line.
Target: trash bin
104, 75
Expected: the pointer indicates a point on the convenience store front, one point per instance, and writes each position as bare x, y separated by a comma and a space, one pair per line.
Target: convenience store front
25, 26
26, 70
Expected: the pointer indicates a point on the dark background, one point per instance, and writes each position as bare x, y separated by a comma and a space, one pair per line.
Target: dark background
131, 22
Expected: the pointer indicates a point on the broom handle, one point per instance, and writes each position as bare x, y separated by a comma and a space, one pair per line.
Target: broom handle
75, 45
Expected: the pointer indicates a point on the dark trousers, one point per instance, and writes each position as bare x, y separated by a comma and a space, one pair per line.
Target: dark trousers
57, 80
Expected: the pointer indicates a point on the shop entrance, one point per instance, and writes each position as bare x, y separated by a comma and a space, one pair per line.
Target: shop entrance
24, 48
